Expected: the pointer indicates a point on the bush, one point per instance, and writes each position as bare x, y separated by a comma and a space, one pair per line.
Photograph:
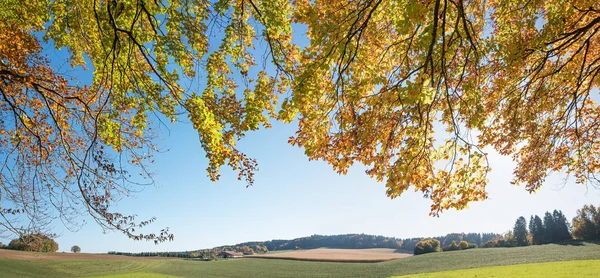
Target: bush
35, 243
427, 246
75, 249
489, 244
472, 245
463, 245
452, 247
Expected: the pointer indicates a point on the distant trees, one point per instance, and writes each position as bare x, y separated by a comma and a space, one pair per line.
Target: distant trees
537, 230
452, 247
510, 240
561, 225
349, 241
75, 249
485, 237
427, 246
356, 241
520, 232
586, 224
410, 243
453, 237
474, 238
488, 244
553, 228
34, 242
550, 228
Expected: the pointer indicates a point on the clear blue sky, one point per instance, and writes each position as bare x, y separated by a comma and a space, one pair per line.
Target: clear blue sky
293, 197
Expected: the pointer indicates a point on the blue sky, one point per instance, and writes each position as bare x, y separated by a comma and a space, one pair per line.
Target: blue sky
293, 197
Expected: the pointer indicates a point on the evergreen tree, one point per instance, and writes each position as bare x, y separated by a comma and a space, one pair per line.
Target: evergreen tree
549, 228
536, 227
520, 232
562, 226
532, 229
485, 237
473, 238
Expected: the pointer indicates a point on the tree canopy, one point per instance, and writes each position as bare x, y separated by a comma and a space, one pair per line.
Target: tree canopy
75, 249
413, 90
520, 232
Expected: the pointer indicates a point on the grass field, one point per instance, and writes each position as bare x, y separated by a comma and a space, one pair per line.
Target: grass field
428, 263
550, 270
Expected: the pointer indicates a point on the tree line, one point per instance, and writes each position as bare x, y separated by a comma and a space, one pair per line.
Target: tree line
344, 241
348, 241
553, 227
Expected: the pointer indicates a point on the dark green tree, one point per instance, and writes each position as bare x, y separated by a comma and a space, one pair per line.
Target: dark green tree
520, 232
549, 228
562, 226
532, 230
536, 228
473, 238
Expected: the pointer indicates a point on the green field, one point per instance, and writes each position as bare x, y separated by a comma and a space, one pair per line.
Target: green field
438, 262
546, 270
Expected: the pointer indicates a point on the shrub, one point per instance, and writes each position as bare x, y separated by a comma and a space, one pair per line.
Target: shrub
452, 247
35, 243
472, 245
427, 246
75, 249
501, 243
463, 245
489, 244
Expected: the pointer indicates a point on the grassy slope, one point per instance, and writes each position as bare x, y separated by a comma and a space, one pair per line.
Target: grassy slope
545, 270
473, 258
71, 268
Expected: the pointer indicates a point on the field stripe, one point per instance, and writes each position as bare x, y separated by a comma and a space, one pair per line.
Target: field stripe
136, 275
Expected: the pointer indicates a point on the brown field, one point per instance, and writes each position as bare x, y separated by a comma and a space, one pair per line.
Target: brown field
338, 255
21, 255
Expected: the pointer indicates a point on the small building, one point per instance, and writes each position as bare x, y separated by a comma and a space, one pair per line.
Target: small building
229, 254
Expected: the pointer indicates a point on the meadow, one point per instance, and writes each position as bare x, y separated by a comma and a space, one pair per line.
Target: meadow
587, 268
473, 261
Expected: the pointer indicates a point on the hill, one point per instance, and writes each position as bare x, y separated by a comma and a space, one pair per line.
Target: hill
344, 241
248, 267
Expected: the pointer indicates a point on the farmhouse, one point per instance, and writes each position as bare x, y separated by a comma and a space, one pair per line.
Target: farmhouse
229, 254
